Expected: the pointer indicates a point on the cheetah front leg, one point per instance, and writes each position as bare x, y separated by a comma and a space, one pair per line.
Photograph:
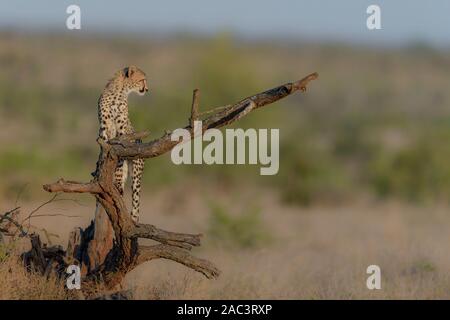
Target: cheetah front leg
138, 169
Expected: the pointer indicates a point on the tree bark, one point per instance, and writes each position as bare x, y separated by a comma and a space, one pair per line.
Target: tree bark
110, 260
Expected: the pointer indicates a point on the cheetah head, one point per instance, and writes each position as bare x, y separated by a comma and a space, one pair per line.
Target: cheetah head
135, 80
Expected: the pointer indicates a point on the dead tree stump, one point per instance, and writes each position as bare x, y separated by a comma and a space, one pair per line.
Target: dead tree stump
108, 256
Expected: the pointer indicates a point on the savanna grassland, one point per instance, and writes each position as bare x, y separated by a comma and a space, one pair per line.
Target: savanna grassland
364, 174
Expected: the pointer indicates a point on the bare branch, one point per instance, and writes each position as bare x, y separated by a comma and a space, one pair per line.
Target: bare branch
39, 207
229, 114
6, 214
72, 187
53, 215
12, 221
130, 137
178, 255
194, 108
181, 240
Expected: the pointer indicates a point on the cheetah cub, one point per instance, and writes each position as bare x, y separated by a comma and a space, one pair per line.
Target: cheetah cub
114, 122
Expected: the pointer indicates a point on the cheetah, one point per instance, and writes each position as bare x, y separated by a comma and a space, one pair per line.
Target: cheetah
114, 122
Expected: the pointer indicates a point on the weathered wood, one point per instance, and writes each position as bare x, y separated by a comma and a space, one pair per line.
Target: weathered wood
72, 186
73, 251
132, 137
149, 231
179, 255
194, 107
119, 257
228, 115
37, 258
102, 241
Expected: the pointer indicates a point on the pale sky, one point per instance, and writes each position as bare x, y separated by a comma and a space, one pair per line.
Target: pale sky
403, 21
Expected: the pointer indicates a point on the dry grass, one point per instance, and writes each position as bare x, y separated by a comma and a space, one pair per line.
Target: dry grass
315, 253
323, 253
18, 284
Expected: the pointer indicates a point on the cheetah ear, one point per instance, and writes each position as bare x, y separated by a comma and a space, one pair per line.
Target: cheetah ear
130, 71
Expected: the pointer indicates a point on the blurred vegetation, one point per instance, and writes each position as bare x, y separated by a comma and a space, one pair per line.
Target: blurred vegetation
245, 230
376, 122
423, 266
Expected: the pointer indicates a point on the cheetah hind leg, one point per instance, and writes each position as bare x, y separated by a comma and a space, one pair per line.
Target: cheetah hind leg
121, 175
138, 169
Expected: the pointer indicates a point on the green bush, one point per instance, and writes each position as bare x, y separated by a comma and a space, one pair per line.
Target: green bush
417, 172
309, 173
245, 230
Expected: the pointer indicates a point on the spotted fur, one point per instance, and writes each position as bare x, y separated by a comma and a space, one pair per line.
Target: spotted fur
114, 122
